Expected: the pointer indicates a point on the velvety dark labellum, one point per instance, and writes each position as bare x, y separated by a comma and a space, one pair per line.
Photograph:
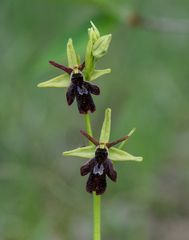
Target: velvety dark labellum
98, 168
82, 90
79, 89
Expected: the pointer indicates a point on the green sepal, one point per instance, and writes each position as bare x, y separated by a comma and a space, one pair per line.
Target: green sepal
123, 143
83, 152
71, 54
89, 59
131, 132
60, 81
101, 46
78, 59
116, 154
98, 73
106, 127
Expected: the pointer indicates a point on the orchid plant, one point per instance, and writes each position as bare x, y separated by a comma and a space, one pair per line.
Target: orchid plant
77, 79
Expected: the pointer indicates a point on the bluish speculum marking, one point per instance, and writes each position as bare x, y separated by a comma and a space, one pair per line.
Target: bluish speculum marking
98, 169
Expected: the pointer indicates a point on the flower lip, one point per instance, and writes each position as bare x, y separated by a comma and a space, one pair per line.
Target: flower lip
77, 78
101, 154
98, 168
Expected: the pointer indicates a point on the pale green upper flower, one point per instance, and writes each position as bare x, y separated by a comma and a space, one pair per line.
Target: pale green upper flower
96, 48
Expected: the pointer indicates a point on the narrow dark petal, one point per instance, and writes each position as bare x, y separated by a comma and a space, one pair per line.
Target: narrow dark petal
91, 139
82, 66
109, 170
87, 167
65, 69
70, 94
111, 144
96, 183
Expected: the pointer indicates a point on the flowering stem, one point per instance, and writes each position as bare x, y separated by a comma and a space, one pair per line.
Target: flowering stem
96, 198
96, 216
88, 125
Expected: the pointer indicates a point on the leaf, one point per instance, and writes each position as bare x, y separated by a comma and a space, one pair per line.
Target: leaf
101, 46
83, 152
60, 81
98, 73
106, 127
116, 154
71, 54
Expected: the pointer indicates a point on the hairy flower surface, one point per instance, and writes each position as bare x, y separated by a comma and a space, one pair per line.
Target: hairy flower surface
100, 154
78, 76
98, 167
82, 90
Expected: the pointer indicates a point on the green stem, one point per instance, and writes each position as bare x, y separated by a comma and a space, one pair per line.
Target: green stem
96, 198
96, 216
88, 125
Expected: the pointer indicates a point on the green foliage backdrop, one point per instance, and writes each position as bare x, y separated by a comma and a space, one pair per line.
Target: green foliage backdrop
42, 195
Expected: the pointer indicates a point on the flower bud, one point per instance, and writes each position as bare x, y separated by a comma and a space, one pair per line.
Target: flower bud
96, 31
101, 46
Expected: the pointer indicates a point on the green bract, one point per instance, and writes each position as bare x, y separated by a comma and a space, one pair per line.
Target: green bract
96, 48
114, 154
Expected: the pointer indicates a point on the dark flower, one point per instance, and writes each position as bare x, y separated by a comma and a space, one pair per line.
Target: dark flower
79, 89
82, 90
101, 154
79, 82
98, 167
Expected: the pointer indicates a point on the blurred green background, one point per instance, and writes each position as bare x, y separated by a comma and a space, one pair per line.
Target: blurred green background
42, 195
